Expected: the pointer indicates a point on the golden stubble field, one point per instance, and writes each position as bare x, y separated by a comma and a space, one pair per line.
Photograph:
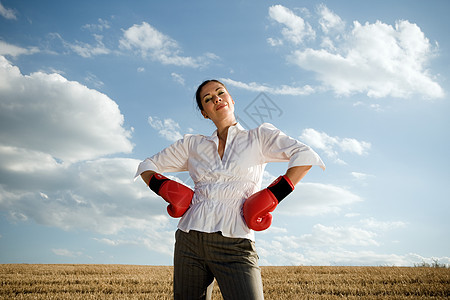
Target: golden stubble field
24, 281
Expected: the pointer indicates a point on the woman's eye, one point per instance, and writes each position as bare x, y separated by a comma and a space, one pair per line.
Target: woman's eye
207, 99
220, 92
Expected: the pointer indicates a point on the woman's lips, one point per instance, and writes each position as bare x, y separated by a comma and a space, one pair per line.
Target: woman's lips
221, 106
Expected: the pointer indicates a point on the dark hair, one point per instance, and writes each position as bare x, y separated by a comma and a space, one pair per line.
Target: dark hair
199, 89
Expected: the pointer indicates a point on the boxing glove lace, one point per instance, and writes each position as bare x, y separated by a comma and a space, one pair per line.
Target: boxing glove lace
176, 194
258, 207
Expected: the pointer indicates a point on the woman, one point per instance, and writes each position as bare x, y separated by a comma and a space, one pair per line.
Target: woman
215, 237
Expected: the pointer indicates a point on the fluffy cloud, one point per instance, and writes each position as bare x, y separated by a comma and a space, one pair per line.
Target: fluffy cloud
84, 49
14, 51
7, 13
342, 257
64, 119
57, 139
377, 59
66, 252
337, 236
329, 21
88, 50
167, 128
177, 78
312, 199
149, 42
296, 29
330, 145
360, 177
337, 245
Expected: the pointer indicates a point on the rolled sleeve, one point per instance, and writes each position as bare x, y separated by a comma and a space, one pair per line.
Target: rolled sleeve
278, 147
172, 159
306, 157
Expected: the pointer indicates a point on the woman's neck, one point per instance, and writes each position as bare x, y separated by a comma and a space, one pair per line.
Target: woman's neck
222, 127
222, 131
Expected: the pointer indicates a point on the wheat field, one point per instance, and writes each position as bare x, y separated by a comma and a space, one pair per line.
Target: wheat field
26, 281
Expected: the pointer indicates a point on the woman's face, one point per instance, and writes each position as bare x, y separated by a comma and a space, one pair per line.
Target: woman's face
217, 102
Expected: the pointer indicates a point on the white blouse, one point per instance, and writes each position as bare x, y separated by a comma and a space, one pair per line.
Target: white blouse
222, 185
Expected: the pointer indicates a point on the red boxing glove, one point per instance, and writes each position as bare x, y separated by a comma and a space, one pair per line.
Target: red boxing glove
257, 207
178, 195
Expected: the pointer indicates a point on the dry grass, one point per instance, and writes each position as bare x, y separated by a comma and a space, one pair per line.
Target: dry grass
155, 282
356, 283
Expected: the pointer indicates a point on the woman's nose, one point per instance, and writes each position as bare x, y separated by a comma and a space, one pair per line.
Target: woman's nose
217, 99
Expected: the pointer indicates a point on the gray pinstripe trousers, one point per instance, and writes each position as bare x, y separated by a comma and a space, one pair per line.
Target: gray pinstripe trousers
201, 257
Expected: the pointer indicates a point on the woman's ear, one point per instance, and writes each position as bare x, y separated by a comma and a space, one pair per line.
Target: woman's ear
204, 114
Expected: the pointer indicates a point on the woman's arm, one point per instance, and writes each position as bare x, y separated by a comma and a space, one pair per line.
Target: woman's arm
147, 175
296, 174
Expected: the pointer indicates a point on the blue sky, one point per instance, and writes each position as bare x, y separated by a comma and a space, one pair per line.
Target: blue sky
89, 89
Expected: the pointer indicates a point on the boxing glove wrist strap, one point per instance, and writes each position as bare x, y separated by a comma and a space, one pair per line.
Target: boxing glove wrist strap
156, 181
281, 187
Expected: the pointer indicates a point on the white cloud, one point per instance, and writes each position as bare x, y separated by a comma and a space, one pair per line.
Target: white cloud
350, 245
338, 236
46, 115
167, 128
282, 90
377, 59
283, 251
149, 42
374, 224
330, 145
177, 78
296, 29
89, 195
354, 146
14, 51
351, 215
7, 13
274, 230
83, 49
67, 253
109, 242
15, 159
156, 238
94, 80
87, 50
102, 24
360, 176
312, 199
54, 133
274, 42
359, 258
329, 21
375, 106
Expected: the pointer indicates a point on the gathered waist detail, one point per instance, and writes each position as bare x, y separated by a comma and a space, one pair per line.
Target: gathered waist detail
217, 206
230, 203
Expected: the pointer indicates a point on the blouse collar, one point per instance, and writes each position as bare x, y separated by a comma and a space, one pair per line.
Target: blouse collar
234, 129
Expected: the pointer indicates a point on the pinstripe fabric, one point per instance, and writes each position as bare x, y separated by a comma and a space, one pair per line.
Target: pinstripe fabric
201, 257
